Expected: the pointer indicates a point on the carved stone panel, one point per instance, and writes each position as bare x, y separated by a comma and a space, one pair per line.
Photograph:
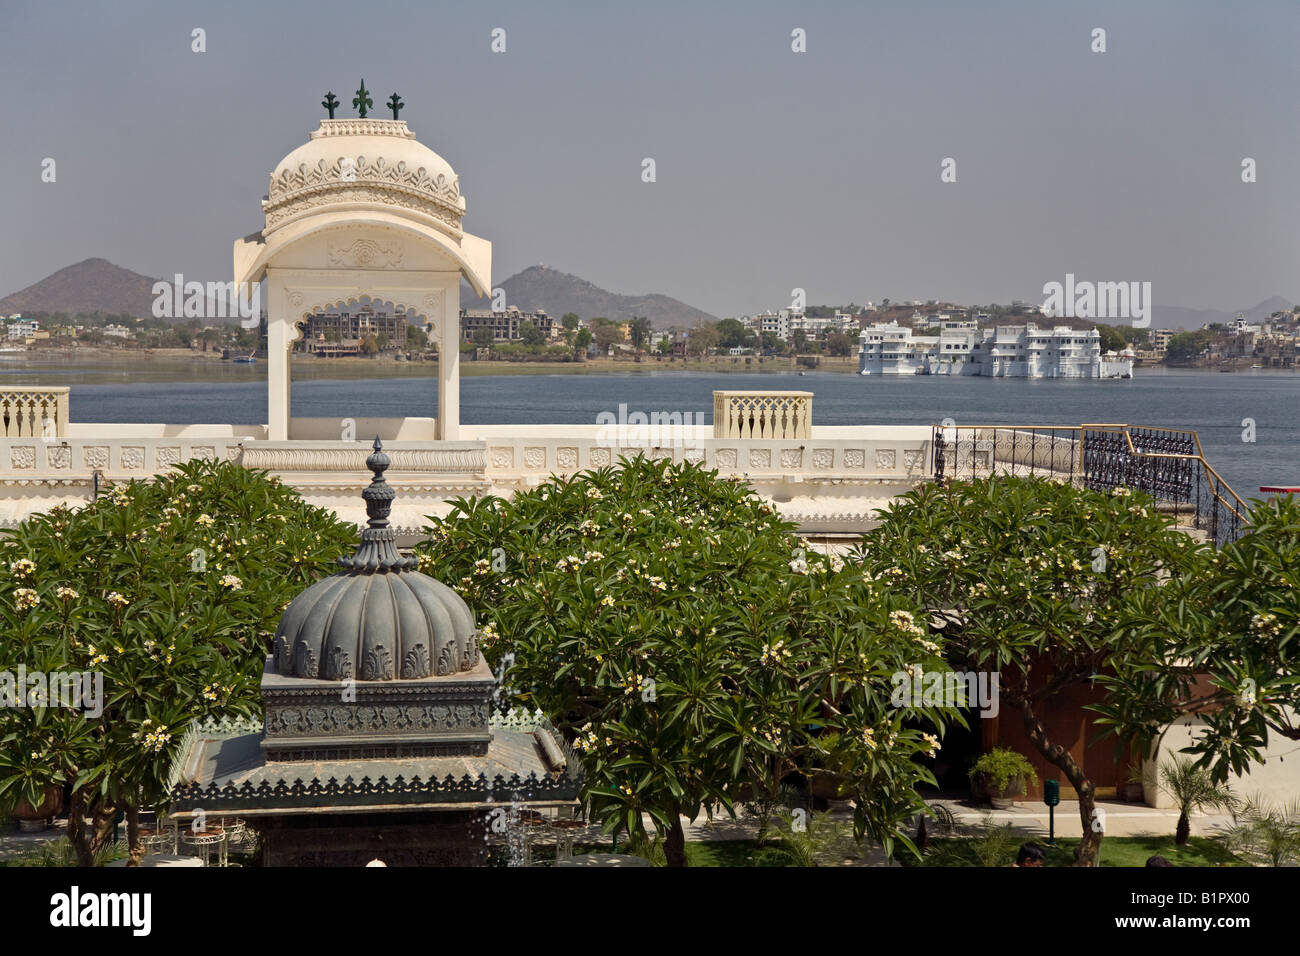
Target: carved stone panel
365, 254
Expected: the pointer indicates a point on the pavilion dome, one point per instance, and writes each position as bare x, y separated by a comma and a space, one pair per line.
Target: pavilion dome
379, 618
358, 163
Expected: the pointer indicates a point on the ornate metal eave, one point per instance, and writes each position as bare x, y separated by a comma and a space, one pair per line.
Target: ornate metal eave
330, 794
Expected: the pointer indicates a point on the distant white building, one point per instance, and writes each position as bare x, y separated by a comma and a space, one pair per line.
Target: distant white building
20, 328
118, 332
787, 321
1008, 351
778, 323
1240, 326
1159, 338
819, 326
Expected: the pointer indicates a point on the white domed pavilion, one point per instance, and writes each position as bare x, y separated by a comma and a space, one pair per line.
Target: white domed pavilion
363, 209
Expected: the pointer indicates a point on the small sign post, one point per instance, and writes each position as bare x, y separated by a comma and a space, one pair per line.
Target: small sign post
1051, 797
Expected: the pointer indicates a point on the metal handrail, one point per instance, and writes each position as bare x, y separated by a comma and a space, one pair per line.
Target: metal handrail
1219, 488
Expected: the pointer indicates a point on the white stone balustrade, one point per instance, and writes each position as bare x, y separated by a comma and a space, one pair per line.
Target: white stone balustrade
28, 411
832, 481
762, 415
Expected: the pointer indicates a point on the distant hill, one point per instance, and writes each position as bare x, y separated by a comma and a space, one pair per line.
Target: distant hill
1175, 317
539, 287
94, 285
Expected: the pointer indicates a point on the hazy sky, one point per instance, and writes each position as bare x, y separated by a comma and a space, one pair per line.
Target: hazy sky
774, 169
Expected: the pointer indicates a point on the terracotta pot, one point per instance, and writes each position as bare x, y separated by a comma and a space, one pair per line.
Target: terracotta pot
824, 785
32, 818
1133, 793
1005, 798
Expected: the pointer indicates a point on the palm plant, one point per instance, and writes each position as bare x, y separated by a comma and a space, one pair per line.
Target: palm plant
1192, 788
1265, 834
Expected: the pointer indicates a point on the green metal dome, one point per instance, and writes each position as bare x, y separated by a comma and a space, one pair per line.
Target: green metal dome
379, 618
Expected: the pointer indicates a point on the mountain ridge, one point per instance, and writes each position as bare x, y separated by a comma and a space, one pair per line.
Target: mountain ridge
541, 287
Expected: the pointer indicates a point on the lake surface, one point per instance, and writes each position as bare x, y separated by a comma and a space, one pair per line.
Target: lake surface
1213, 403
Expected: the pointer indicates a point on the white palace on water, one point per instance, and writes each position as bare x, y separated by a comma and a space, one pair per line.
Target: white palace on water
1007, 351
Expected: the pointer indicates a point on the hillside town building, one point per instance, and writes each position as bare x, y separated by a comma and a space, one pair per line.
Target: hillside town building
341, 332
505, 325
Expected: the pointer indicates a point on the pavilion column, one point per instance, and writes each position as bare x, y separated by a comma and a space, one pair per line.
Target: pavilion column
449, 364
278, 342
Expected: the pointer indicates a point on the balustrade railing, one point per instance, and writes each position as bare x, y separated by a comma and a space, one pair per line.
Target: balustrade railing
33, 411
762, 415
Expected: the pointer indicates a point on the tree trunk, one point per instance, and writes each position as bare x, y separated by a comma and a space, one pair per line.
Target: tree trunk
77, 834
133, 835
1085, 854
102, 821
1184, 830
675, 842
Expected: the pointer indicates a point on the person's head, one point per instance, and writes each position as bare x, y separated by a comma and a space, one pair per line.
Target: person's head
1031, 854
1158, 861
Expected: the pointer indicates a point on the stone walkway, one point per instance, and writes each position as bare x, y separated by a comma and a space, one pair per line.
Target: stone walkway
14, 844
1119, 819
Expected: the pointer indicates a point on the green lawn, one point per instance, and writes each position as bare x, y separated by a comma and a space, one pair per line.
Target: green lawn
1115, 851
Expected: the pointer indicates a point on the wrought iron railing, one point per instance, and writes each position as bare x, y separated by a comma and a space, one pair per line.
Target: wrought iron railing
1167, 464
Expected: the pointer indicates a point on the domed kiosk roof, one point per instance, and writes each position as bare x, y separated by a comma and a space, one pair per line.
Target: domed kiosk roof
379, 619
363, 161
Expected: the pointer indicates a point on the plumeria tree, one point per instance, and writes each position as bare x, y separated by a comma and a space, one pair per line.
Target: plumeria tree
694, 651
1031, 579
1220, 645
168, 590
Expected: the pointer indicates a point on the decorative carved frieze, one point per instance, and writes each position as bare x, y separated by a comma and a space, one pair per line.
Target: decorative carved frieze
365, 254
302, 456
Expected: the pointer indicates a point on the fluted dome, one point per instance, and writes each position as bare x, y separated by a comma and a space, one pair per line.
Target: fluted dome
379, 618
364, 162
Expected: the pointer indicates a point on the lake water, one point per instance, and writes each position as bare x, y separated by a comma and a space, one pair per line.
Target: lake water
1213, 403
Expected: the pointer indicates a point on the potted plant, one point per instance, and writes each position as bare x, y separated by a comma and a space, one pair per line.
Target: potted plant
33, 817
1001, 775
1133, 790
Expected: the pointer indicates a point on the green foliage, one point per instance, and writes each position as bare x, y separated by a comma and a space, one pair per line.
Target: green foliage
672, 626
1033, 579
1002, 765
1187, 345
170, 589
1265, 834
1192, 788
530, 334
732, 332
986, 845
1237, 620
